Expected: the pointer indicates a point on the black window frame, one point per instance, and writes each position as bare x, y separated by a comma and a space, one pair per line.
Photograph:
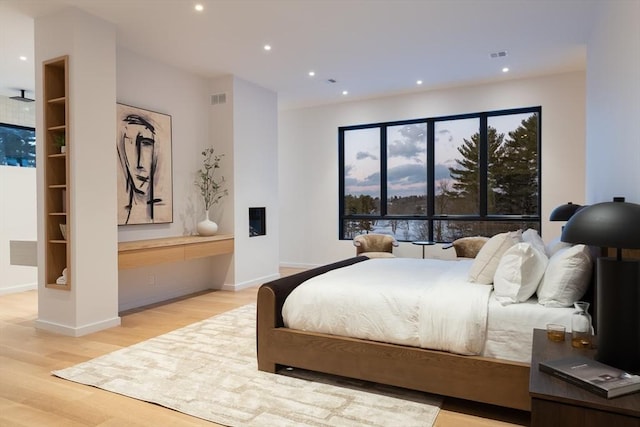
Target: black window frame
431, 217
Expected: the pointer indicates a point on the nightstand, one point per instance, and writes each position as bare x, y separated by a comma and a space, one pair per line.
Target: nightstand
555, 402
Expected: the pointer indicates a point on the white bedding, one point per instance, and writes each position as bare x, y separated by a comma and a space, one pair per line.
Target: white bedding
424, 303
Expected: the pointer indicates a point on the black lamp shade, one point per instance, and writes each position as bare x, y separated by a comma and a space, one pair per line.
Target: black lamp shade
613, 225
609, 224
564, 212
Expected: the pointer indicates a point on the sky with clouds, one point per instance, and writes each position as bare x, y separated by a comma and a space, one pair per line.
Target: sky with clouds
406, 154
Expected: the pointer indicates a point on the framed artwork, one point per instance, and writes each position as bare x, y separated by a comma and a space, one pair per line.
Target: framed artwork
145, 187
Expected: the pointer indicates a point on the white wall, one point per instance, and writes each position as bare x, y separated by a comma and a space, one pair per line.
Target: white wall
255, 162
244, 129
308, 155
18, 219
91, 304
148, 84
613, 103
17, 222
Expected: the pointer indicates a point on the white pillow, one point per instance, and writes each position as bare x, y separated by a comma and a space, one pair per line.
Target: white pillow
519, 272
567, 277
486, 262
555, 245
531, 236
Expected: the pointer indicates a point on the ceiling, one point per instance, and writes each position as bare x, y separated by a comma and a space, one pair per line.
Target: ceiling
370, 48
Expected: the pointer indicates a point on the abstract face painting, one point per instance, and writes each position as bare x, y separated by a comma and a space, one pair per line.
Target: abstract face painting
144, 156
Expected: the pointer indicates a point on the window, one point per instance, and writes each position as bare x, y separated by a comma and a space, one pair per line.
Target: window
441, 178
17, 145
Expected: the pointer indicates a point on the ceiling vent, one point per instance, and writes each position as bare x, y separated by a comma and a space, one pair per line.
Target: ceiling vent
500, 54
22, 97
220, 98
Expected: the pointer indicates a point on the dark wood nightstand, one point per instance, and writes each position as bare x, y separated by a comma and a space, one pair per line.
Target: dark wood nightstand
555, 402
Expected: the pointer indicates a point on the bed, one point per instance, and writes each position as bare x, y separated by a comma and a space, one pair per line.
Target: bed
498, 374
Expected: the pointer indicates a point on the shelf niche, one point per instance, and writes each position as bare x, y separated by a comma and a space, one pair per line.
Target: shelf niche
56, 172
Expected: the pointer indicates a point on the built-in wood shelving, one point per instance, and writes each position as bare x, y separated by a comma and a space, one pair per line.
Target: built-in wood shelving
55, 75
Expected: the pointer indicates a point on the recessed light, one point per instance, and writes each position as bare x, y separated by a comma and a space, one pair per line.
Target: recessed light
312, 73
345, 92
419, 82
505, 70
198, 7
23, 58
267, 47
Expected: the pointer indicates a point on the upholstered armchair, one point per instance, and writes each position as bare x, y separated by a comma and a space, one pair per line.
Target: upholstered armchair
375, 245
467, 247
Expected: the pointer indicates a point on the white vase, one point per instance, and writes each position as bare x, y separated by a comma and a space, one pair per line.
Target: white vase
207, 227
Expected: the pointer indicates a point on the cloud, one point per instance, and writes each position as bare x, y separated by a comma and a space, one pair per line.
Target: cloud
441, 172
444, 133
407, 174
408, 149
348, 169
361, 155
412, 145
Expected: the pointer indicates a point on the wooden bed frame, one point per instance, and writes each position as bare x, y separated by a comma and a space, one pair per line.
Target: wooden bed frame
481, 379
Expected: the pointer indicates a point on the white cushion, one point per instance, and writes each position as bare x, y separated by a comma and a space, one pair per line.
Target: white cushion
486, 262
555, 245
567, 277
519, 272
531, 236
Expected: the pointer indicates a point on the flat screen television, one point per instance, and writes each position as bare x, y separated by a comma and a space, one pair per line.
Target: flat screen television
17, 145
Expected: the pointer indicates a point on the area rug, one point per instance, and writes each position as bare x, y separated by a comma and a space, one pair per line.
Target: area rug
209, 370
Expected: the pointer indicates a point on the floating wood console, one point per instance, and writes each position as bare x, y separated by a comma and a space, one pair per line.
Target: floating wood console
141, 253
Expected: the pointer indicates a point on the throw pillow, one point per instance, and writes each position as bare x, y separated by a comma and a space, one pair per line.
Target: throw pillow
484, 266
531, 236
519, 272
567, 277
555, 245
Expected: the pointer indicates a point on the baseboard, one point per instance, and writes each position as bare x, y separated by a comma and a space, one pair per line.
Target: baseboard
157, 298
249, 283
77, 331
19, 288
298, 265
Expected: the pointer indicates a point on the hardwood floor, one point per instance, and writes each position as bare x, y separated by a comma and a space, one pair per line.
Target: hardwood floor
31, 396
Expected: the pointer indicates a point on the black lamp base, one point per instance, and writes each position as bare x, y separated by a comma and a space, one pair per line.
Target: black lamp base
618, 313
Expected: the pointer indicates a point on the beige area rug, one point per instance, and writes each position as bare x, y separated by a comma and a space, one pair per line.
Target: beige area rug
209, 370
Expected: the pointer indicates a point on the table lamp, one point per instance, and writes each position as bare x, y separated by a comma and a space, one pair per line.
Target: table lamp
564, 212
613, 225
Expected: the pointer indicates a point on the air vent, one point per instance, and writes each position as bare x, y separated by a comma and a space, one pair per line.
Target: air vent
500, 54
220, 98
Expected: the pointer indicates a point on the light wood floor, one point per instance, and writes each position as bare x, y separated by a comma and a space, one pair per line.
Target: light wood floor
31, 396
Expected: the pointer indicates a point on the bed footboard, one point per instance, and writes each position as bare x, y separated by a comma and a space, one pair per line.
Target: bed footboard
486, 380
271, 297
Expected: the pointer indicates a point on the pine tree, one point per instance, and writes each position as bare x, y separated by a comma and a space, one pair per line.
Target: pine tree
516, 174
466, 186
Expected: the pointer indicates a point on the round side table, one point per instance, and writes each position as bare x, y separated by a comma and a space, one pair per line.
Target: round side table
423, 243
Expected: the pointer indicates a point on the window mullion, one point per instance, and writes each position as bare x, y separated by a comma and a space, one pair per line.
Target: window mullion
383, 171
483, 169
431, 175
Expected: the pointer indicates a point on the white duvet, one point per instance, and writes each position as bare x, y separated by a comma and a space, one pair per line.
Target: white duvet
418, 302
423, 303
